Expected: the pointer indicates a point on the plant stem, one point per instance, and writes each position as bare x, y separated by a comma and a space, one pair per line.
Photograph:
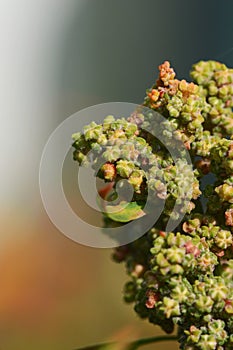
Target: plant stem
140, 342
133, 345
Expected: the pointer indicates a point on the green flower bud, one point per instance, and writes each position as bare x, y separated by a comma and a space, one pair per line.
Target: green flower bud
161, 260
216, 327
170, 307
81, 158
175, 269
108, 121
207, 261
124, 168
213, 89
136, 179
218, 291
180, 293
193, 334
111, 154
102, 140
175, 254
130, 129
207, 342
130, 291
225, 193
223, 239
204, 303
92, 131
227, 271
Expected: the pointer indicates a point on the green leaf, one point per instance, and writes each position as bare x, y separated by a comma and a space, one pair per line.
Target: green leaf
124, 212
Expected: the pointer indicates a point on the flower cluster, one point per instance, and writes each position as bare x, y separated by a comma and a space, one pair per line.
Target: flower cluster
186, 279
181, 102
216, 81
117, 151
182, 278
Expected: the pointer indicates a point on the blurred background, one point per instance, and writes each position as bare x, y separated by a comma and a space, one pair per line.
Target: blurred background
58, 57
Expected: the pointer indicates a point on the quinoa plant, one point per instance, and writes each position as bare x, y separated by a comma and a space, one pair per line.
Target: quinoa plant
181, 278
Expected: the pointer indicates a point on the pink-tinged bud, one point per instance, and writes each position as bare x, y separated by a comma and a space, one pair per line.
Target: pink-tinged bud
187, 145
220, 254
152, 298
138, 270
229, 217
229, 306
192, 249
109, 171
162, 234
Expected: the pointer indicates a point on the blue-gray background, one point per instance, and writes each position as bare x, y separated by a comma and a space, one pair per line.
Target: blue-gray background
58, 57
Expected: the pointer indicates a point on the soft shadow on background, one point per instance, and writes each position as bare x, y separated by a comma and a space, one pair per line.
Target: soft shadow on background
58, 57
